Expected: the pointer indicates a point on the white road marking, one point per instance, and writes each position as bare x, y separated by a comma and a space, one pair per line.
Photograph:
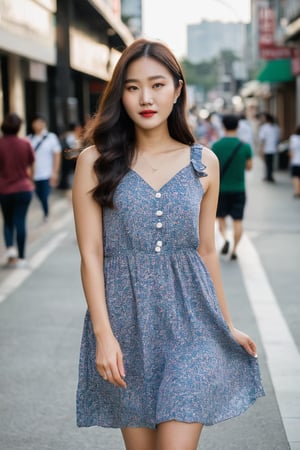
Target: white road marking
18, 276
283, 357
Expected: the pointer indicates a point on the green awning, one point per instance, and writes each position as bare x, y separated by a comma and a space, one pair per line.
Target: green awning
276, 71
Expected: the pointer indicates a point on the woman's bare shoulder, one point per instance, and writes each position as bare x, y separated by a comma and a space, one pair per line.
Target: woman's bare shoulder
85, 168
89, 155
209, 158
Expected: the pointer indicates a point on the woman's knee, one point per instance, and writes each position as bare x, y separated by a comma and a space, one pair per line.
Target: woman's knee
139, 438
178, 435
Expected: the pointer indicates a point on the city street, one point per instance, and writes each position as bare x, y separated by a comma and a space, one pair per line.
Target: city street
41, 317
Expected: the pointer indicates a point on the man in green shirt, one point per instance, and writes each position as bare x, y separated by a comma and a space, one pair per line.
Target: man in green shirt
234, 157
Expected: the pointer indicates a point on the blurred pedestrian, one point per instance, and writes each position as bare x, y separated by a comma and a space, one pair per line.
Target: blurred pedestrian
16, 186
294, 156
70, 143
268, 135
210, 132
245, 131
193, 118
235, 157
160, 356
47, 160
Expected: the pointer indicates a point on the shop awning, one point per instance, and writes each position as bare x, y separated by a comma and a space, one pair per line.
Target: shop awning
276, 71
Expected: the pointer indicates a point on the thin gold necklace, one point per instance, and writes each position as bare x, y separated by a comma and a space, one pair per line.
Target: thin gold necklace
155, 169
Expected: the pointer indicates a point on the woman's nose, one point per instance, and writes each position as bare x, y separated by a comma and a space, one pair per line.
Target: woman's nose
146, 98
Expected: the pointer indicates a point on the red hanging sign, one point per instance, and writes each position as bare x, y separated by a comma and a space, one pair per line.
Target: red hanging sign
266, 26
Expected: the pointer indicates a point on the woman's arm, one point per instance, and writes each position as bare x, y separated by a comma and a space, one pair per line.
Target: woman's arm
88, 223
207, 248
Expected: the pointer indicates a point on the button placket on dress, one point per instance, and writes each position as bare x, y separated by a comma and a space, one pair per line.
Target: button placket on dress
159, 224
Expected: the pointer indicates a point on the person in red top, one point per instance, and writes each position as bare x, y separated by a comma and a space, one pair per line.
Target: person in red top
16, 186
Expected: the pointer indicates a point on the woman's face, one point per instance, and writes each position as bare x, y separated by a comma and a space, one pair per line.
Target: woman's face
149, 93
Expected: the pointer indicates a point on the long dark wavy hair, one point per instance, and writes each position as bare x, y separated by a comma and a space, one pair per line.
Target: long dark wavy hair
112, 131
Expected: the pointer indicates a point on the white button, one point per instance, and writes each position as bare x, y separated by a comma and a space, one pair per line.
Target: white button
158, 195
159, 225
159, 243
159, 213
157, 249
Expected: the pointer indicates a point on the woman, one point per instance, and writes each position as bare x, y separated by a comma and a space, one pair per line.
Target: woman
159, 357
16, 167
294, 155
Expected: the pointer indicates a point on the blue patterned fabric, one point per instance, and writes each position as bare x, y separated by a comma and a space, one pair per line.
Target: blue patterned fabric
180, 359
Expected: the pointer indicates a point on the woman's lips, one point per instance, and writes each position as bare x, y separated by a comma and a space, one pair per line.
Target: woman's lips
147, 113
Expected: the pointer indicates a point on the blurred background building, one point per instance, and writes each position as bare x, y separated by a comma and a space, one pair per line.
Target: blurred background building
132, 16
224, 44
274, 60
56, 56
206, 39
233, 65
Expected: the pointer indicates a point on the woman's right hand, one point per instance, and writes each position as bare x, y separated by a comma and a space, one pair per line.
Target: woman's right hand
109, 361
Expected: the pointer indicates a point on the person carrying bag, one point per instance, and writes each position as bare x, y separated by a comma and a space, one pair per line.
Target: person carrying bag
235, 156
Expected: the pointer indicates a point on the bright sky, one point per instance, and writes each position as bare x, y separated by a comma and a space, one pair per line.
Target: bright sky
167, 20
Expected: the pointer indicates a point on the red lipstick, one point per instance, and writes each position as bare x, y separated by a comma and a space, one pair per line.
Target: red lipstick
147, 113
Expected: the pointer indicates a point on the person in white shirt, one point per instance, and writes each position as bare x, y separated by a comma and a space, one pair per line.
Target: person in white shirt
47, 160
269, 134
294, 155
245, 132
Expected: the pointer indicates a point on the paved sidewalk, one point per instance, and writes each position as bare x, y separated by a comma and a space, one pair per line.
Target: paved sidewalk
273, 232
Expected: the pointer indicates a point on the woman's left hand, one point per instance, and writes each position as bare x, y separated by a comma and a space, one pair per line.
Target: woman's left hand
245, 341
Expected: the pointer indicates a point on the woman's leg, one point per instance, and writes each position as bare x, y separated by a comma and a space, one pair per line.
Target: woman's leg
175, 435
140, 438
22, 202
7, 207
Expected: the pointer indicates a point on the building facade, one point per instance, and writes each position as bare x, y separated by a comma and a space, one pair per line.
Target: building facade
56, 57
207, 39
223, 42
131, 11
275, 60
292, 38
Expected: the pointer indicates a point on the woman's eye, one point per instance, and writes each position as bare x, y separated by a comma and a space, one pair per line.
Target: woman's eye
157, 85
131, 88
